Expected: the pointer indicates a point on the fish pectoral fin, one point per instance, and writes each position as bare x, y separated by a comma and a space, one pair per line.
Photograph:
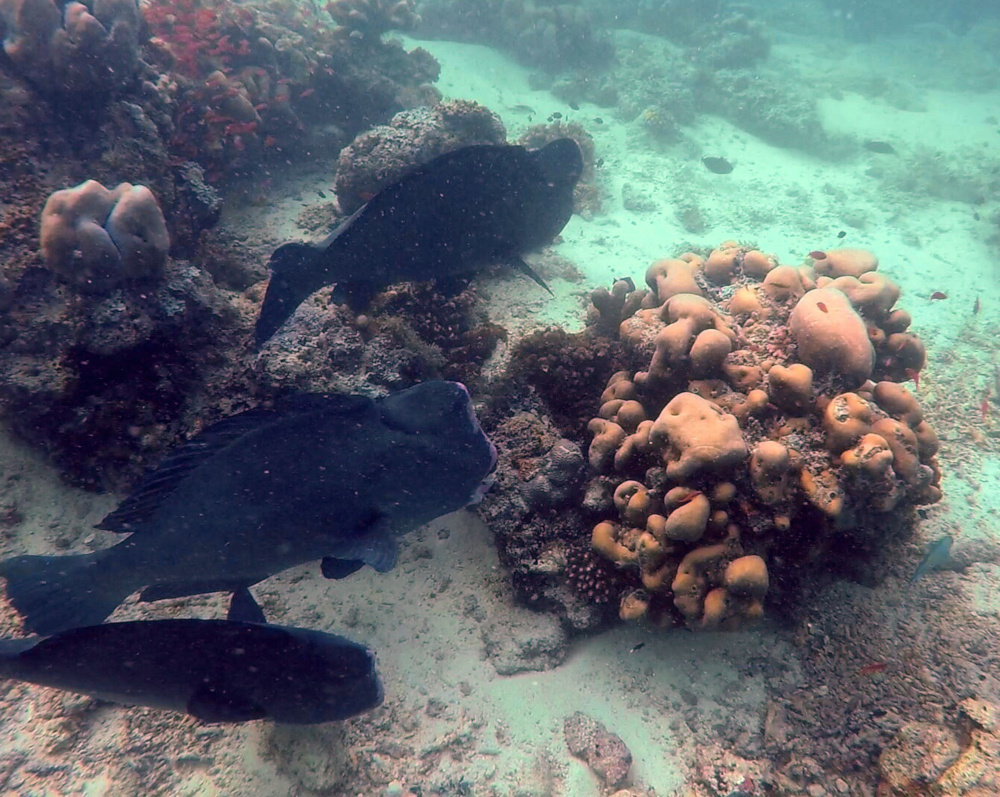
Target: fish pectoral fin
518, 264
451, 285
376, 547
337, 569
244, 609
223, 703
356, 295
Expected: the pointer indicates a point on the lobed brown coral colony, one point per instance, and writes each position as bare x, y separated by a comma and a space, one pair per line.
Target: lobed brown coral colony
372, 18
765, 414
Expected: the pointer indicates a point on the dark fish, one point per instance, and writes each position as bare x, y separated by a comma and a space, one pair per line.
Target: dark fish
938, 554
842, 234
637, 647
555, 115
977, 306
456, 214
717, 165
215, 670
574, 106
598, 120
880, 147
331, 477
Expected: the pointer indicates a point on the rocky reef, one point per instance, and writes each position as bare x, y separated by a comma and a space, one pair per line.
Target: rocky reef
122, 326
383, 154
553, 35
749, 426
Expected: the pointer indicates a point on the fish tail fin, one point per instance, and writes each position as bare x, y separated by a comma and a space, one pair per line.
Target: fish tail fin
293, 278
53, 593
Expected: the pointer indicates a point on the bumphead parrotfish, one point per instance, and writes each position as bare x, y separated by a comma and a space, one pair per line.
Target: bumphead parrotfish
455, 214
331, 477
215, 670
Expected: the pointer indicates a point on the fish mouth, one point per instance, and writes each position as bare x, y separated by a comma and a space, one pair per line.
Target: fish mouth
470, 411
484, 486
480, 492
470, 414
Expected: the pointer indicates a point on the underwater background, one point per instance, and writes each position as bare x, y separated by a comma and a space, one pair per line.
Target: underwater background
794, 625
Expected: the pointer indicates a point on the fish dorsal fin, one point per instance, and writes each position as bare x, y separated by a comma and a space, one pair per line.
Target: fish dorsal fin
12, 648
223, 703
327, 403
141, 504
518, 264
139, 507
181, 589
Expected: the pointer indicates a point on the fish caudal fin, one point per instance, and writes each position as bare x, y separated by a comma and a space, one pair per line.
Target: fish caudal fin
294, 276
53, 593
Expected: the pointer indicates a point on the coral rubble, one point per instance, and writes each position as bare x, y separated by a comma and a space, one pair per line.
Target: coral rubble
930, 758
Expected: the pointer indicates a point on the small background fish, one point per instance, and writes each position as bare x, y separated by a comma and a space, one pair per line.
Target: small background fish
937, 555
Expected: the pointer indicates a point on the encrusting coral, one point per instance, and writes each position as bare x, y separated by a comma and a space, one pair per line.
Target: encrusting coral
740, 433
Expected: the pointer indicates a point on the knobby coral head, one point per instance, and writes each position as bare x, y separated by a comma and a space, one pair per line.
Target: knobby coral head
763, 408
369, 19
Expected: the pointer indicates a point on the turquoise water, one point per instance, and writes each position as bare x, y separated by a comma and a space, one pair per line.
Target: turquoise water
841, 125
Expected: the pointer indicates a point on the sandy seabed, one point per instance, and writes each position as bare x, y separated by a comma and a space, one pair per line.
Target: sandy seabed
450, 722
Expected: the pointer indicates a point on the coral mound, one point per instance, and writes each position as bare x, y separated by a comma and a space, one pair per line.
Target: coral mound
74, 50
369, 19
96, 238
757, 427
382, 155
751, 424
